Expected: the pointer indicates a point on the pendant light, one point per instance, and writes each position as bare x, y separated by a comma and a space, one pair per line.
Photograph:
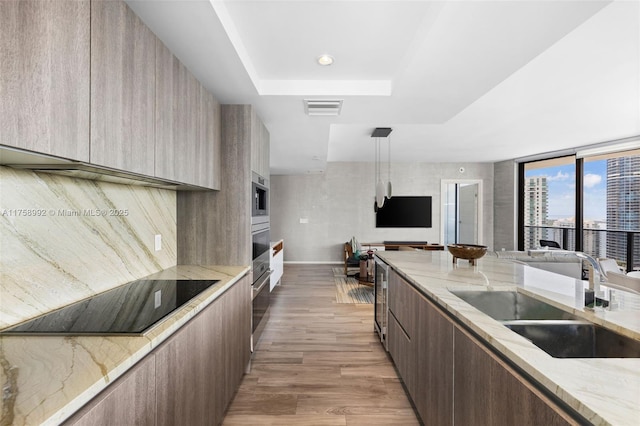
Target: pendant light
380, 187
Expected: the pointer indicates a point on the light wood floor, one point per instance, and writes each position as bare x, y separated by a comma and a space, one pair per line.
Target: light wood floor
319, 362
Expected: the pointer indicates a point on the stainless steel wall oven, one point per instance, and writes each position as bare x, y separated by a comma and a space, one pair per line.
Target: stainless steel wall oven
260, 289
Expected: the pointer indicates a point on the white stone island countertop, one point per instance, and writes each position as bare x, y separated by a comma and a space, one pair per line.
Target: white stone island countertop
46, 379
603, 390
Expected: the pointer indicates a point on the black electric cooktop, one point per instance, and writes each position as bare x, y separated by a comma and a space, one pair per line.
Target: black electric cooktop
129, 309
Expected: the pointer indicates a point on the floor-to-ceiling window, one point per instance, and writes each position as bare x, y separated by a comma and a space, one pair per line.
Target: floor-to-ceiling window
612, 207
588, 202
549, 202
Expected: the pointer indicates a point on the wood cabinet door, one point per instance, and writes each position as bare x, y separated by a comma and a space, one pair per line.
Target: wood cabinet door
266, 151
403, 328
177, 101
205, 158
209, 159
188, 125
256, 143
404, 301
186, 384
201, 366
260, 145
499, 394
403, 353
236, 336
130, 400
123, 52
434, 369
44, 76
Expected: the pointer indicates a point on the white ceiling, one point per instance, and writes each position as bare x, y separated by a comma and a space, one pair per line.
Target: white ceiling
458, 81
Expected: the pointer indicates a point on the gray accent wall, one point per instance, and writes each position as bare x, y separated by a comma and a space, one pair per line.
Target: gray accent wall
338, 204
505, 205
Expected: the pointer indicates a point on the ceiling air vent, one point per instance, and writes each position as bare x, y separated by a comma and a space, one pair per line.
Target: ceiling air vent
322, 107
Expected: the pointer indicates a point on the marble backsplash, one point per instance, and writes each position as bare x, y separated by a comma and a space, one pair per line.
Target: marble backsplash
64, 239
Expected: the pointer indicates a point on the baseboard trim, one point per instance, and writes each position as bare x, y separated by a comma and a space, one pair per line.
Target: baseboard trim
309, 262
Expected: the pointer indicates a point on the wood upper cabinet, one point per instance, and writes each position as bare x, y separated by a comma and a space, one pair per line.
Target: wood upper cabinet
208, 155
260, 146
187, 125
122, 89
174, 111
44, 76
129, 400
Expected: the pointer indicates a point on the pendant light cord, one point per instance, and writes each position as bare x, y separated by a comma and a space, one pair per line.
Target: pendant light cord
389, 158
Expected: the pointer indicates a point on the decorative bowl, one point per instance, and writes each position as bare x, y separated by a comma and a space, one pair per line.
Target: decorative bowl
470, 252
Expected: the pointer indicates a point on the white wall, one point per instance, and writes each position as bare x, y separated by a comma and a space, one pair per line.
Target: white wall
338, 204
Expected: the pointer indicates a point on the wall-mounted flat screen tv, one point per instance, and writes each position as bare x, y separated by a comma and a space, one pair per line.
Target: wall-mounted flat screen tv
405, 212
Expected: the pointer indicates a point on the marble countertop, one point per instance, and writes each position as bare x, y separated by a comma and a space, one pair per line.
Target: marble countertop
45, 379
604, 391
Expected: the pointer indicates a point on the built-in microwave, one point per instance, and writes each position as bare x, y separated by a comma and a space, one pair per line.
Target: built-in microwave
259, 196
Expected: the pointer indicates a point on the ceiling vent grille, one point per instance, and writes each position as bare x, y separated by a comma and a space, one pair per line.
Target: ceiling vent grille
325, 107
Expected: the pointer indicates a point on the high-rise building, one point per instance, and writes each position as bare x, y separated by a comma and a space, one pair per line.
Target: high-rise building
536, 204
623, 205
594, 241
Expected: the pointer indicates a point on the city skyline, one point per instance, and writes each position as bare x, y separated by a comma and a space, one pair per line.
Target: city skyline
561, 182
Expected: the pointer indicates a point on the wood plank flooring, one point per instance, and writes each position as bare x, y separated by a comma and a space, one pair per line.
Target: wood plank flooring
319, 362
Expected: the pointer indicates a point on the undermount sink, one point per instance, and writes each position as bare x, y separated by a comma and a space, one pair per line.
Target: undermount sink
511, 305
557, 332
576, 339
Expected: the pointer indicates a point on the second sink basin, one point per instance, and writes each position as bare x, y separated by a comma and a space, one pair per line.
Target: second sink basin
557, 332
511, 305
576, 339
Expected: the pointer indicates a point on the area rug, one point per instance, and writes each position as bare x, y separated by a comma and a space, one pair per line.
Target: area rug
349, 290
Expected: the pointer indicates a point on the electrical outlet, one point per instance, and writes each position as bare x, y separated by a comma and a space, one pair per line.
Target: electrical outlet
157, 299
158, 242
304, 220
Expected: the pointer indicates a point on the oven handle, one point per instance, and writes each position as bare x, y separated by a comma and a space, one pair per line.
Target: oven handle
264, 282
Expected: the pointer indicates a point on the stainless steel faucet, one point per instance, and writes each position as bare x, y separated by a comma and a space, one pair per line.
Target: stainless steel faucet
594, 264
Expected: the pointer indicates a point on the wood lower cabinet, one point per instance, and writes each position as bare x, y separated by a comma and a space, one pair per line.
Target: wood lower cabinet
434, 376
403, 352
189, 379
201, 366
451, 377
44, 76
420, 341
404, 303
123, 72
130, 400
500, 395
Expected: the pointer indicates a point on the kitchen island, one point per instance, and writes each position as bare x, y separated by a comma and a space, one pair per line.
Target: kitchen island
46, 379
595, 390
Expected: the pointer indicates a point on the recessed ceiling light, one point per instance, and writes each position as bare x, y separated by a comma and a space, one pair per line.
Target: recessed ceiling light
325, 60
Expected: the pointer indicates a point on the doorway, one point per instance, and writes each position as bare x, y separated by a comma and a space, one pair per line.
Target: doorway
461, 211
